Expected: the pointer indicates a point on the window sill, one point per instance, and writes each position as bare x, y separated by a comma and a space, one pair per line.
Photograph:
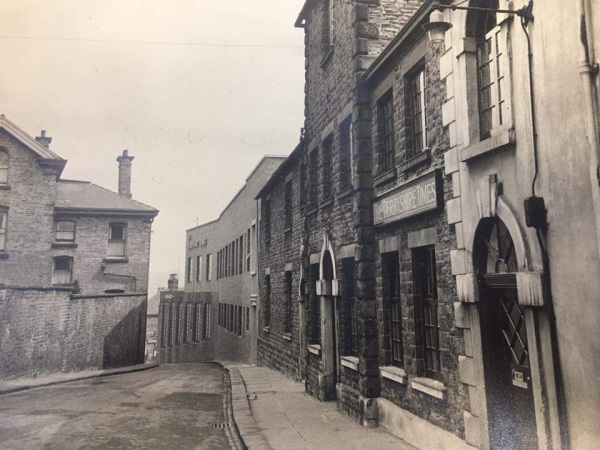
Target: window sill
327, 57
327, 202
4, 187
266, 329
430, 387
421, 158
315, 349
116, 260
287, 337
311, 210
3, 256
393, 373
350, 362
64, 245
344, 192
385, 177
499, 140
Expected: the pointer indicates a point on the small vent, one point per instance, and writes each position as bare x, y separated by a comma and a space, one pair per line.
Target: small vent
217, 425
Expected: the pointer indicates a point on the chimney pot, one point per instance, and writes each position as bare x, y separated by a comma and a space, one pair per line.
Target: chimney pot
43, 139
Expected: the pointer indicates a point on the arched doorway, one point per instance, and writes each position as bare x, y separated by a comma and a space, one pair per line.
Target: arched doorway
507, 372
329, 344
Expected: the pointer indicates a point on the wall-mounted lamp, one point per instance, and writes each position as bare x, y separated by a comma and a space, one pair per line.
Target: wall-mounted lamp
437, 27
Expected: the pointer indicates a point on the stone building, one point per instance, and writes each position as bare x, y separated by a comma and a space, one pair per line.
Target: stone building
522, 114
74, 262
214, 317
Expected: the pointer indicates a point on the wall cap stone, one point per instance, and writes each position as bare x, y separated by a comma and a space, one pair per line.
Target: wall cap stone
430, 387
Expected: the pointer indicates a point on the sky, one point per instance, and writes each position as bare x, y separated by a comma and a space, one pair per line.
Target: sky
197, 91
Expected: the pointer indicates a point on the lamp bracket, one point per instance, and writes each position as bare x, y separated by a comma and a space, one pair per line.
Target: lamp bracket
526, 13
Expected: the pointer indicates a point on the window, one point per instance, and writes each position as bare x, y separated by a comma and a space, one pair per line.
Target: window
208, 267
197, 322
188, 270
349, 308
206, 322
248, 251
315, 306
288, 205
327, 168
327, 26
239, 320
187, 327
287, 321
267, 220
65, 231
241, 264
312, 178
385, 123
416, 113
391, 298
425, 287
3, 166
172, 326
3, 220
63, 270
267, 302
346, 153
247, 319
178, 324
198, 268
117, 235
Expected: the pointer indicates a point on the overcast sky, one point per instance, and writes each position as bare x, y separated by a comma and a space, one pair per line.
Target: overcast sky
197, 90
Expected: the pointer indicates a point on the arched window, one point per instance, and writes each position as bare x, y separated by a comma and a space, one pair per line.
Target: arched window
493, 103
3, 165
494, 248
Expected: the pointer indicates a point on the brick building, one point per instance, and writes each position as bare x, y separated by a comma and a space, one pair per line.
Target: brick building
214, 317
66, 239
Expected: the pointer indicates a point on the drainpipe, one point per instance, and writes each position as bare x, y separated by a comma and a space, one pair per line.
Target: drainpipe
588, 69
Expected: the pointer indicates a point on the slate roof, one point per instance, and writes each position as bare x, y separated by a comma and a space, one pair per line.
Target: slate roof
26, 139
84, 195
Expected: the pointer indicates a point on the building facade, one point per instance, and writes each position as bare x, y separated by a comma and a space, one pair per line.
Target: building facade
522, 115
214, 317
73, 253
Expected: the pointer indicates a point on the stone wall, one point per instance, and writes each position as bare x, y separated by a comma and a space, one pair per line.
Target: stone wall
48, 330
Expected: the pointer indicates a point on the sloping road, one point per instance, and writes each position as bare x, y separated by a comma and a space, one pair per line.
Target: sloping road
176, 406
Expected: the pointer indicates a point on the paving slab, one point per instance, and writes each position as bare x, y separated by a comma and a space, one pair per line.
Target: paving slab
276, 413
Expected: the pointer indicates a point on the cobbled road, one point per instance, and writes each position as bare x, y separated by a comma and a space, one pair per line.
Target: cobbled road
175, 406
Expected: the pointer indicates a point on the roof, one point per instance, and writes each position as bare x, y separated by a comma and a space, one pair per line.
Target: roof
282, 169
84, 196
35, 146
302, 16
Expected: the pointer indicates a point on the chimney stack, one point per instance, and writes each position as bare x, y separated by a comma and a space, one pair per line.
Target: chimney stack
173, 282
125, 174
43, 139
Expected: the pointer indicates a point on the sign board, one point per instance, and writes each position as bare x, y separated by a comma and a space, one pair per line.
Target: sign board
413, 198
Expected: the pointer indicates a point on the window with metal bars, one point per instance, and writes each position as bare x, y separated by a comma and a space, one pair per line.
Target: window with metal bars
312, 178
346, 153
385, 123
425, 289
314, 307
287, 324
391, 293
170, 325
416, 113
187, 329
206, 322
267, 301
349, 308
327, 166
288, 205
197, 322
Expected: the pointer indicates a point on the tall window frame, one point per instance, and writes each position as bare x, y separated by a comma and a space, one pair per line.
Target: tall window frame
64, 231
117, 240
416, 111
390, 265
208, 267
266, 220
386, 143
4, 163
315, 306
188, 269
206, 322
425, 289
3, 228
345, 153
199, 268
327, 167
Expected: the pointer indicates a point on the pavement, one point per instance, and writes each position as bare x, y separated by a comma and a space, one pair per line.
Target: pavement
272, 411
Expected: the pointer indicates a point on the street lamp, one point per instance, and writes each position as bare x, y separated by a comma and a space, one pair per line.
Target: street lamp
437, 26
